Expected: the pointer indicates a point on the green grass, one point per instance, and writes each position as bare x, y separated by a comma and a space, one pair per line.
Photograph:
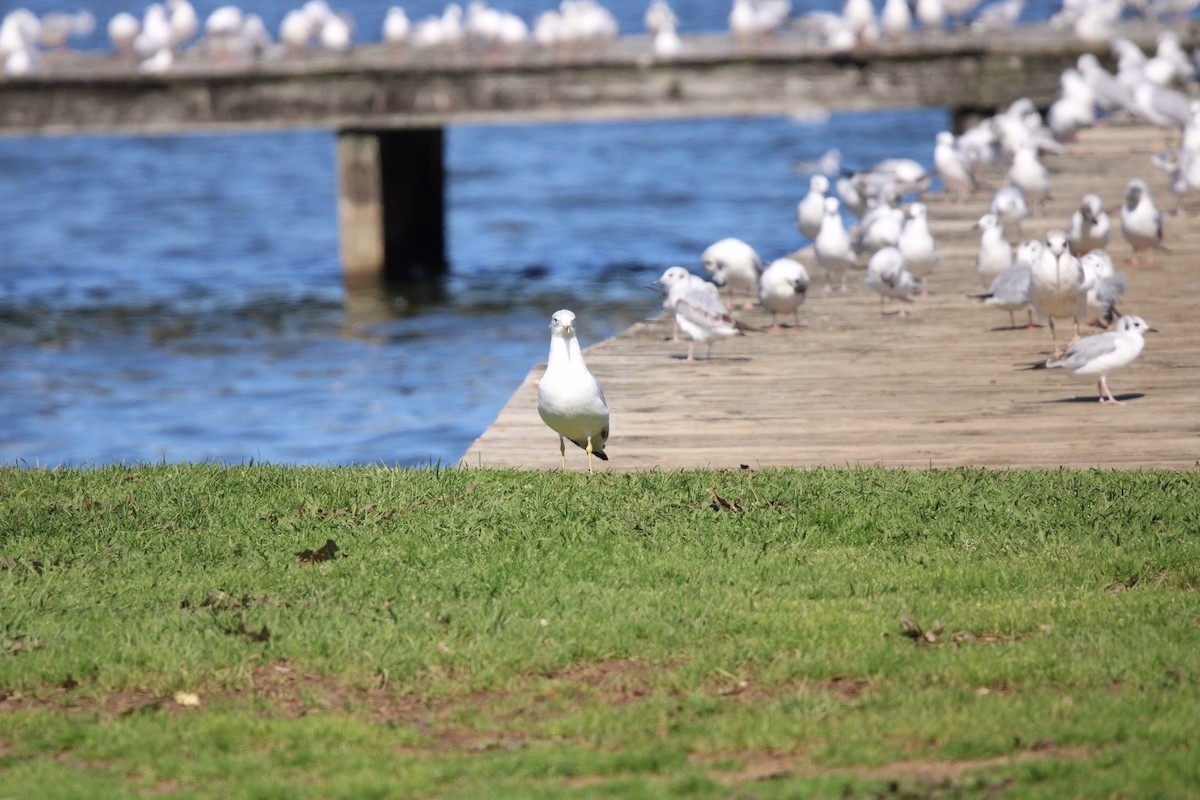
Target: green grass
513, 634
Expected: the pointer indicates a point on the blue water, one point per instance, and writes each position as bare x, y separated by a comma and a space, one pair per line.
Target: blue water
180, 298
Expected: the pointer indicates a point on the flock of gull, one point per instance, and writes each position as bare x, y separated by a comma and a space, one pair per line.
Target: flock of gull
170, 30
1069, 275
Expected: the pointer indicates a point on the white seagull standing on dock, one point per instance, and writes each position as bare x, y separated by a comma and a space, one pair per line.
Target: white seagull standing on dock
1105, 353
917, 246
1089, 227
783, 289
735, 264
811, 210
1059, 285
832, 245
1141, 222
888, 275
698, 309
995, 253
570, 400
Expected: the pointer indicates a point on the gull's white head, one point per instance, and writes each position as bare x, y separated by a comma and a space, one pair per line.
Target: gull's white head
563, 323
1129, 322
1056, 242
819, 184
1030, 251
673, 276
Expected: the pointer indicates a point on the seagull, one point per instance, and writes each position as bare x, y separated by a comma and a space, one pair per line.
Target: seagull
396, 26
676, 275
570, 400
1009, 205
953, 166
917, 246
698, 310
1010, 290
1106, 352
832, 245
735, 264
1059, 287
811, 210
783, 288
1141, 223
995, 253
1106, 286
888, 275
1030, 176
1089, 227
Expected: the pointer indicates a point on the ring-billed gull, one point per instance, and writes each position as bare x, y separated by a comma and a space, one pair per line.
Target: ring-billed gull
783, 288
1059, 286
1141, 222
570, 400
1105, 353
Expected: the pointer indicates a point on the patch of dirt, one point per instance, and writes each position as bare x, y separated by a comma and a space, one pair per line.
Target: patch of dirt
768, 766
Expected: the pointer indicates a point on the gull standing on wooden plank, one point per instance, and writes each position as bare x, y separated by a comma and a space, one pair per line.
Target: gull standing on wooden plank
1105, 287
783, 288
1141, 223
1008, 203
953, 166
570, 400
735, 264
1059, 286
1105, 353
676, 275
1010, 290
832, 245
888, 275
995, 253
698, 310
1089, 227
811, 210
917, 246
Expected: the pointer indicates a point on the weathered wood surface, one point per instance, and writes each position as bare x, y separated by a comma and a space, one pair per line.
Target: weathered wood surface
944, 387
377, 87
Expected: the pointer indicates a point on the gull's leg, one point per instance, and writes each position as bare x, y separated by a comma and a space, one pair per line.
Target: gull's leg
1105, 393
1054, 338
1076, 337
562, 448
691, 350
1012, 321
589, 452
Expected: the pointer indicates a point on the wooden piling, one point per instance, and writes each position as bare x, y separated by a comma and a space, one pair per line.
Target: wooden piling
391, 204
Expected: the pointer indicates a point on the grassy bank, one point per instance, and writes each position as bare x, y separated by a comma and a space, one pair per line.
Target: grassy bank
187, 631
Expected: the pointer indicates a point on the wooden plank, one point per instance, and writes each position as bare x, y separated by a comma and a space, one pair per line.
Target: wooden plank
947, 386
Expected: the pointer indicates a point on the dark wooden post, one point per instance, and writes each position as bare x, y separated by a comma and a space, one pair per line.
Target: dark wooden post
392, 204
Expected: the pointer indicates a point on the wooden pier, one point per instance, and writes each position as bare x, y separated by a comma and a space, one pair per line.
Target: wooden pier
390, 106
947, 386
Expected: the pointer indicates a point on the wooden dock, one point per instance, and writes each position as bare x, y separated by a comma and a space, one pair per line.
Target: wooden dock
946, 386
